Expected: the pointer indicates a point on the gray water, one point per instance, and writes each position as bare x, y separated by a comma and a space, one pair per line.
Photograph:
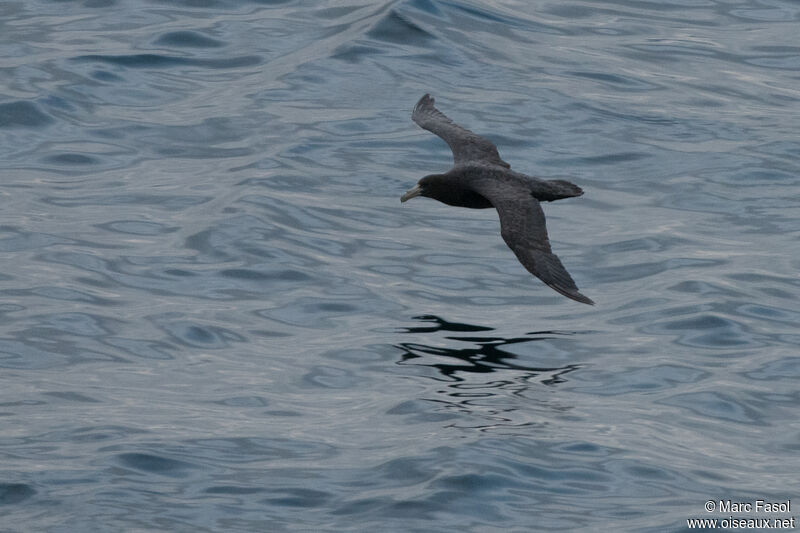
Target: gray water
217, 315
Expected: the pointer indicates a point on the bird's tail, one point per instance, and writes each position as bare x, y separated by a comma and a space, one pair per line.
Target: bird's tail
549, 190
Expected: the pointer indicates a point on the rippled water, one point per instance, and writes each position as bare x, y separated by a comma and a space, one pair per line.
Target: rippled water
217, 316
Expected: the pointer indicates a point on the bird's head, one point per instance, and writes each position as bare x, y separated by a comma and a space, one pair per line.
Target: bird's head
427, 186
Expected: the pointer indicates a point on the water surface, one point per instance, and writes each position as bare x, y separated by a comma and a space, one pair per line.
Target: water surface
217, 316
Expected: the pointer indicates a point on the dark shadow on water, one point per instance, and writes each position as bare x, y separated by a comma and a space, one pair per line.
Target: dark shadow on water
480, 355
484, 385
441, 324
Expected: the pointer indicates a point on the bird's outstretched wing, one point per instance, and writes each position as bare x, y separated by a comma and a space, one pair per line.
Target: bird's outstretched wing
522, 225
467, 147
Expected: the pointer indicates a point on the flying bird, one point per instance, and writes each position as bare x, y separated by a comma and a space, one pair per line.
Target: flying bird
479, 179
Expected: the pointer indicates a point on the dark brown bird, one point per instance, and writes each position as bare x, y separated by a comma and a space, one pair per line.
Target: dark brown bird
479, 179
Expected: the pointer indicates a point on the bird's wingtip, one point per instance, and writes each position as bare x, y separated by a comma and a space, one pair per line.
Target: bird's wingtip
578, 297
571, 293
425, 100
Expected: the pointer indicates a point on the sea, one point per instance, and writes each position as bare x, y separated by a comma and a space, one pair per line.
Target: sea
217, 316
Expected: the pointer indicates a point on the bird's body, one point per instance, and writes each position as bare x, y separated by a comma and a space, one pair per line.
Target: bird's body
479, 179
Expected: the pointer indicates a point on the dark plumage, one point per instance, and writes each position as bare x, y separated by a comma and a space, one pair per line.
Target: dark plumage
480, 179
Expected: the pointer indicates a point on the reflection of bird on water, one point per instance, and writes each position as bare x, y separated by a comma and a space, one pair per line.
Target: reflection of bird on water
482, 354
482, 380
480, 179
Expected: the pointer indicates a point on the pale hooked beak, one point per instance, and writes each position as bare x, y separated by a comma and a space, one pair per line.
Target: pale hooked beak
411, 193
